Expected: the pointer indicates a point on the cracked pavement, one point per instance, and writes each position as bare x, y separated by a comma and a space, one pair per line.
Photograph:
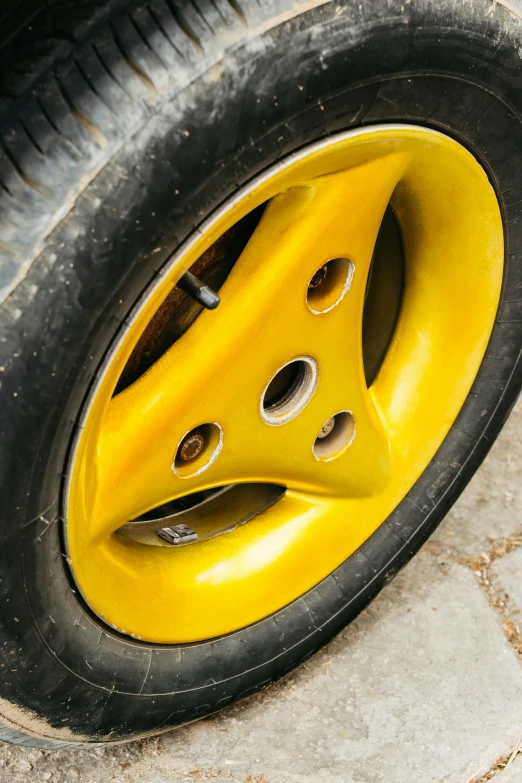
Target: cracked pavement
424, 687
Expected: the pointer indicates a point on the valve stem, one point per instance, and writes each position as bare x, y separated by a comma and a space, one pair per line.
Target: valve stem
199, 291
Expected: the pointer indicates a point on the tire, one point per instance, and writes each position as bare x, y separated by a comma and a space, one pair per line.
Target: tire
124, 125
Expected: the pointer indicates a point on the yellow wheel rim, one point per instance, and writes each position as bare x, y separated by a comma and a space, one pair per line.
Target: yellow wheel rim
325, 204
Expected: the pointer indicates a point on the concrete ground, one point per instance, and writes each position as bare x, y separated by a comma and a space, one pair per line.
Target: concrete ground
425, 687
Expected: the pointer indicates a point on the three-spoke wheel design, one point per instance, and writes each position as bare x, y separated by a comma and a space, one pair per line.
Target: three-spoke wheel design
256, 438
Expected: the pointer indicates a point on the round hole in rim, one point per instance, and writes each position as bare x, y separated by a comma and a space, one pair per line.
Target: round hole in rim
329, 284
338, 437
289, 390
195, 461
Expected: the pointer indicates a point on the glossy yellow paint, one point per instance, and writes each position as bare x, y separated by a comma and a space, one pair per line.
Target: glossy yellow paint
325, 203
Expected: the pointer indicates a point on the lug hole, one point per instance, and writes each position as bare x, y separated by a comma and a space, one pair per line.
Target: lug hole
336, 434
289, 390
319, 277
329, 284
197, 450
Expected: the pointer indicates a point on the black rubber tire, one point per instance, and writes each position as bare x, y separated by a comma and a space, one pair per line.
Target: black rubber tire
123, 126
